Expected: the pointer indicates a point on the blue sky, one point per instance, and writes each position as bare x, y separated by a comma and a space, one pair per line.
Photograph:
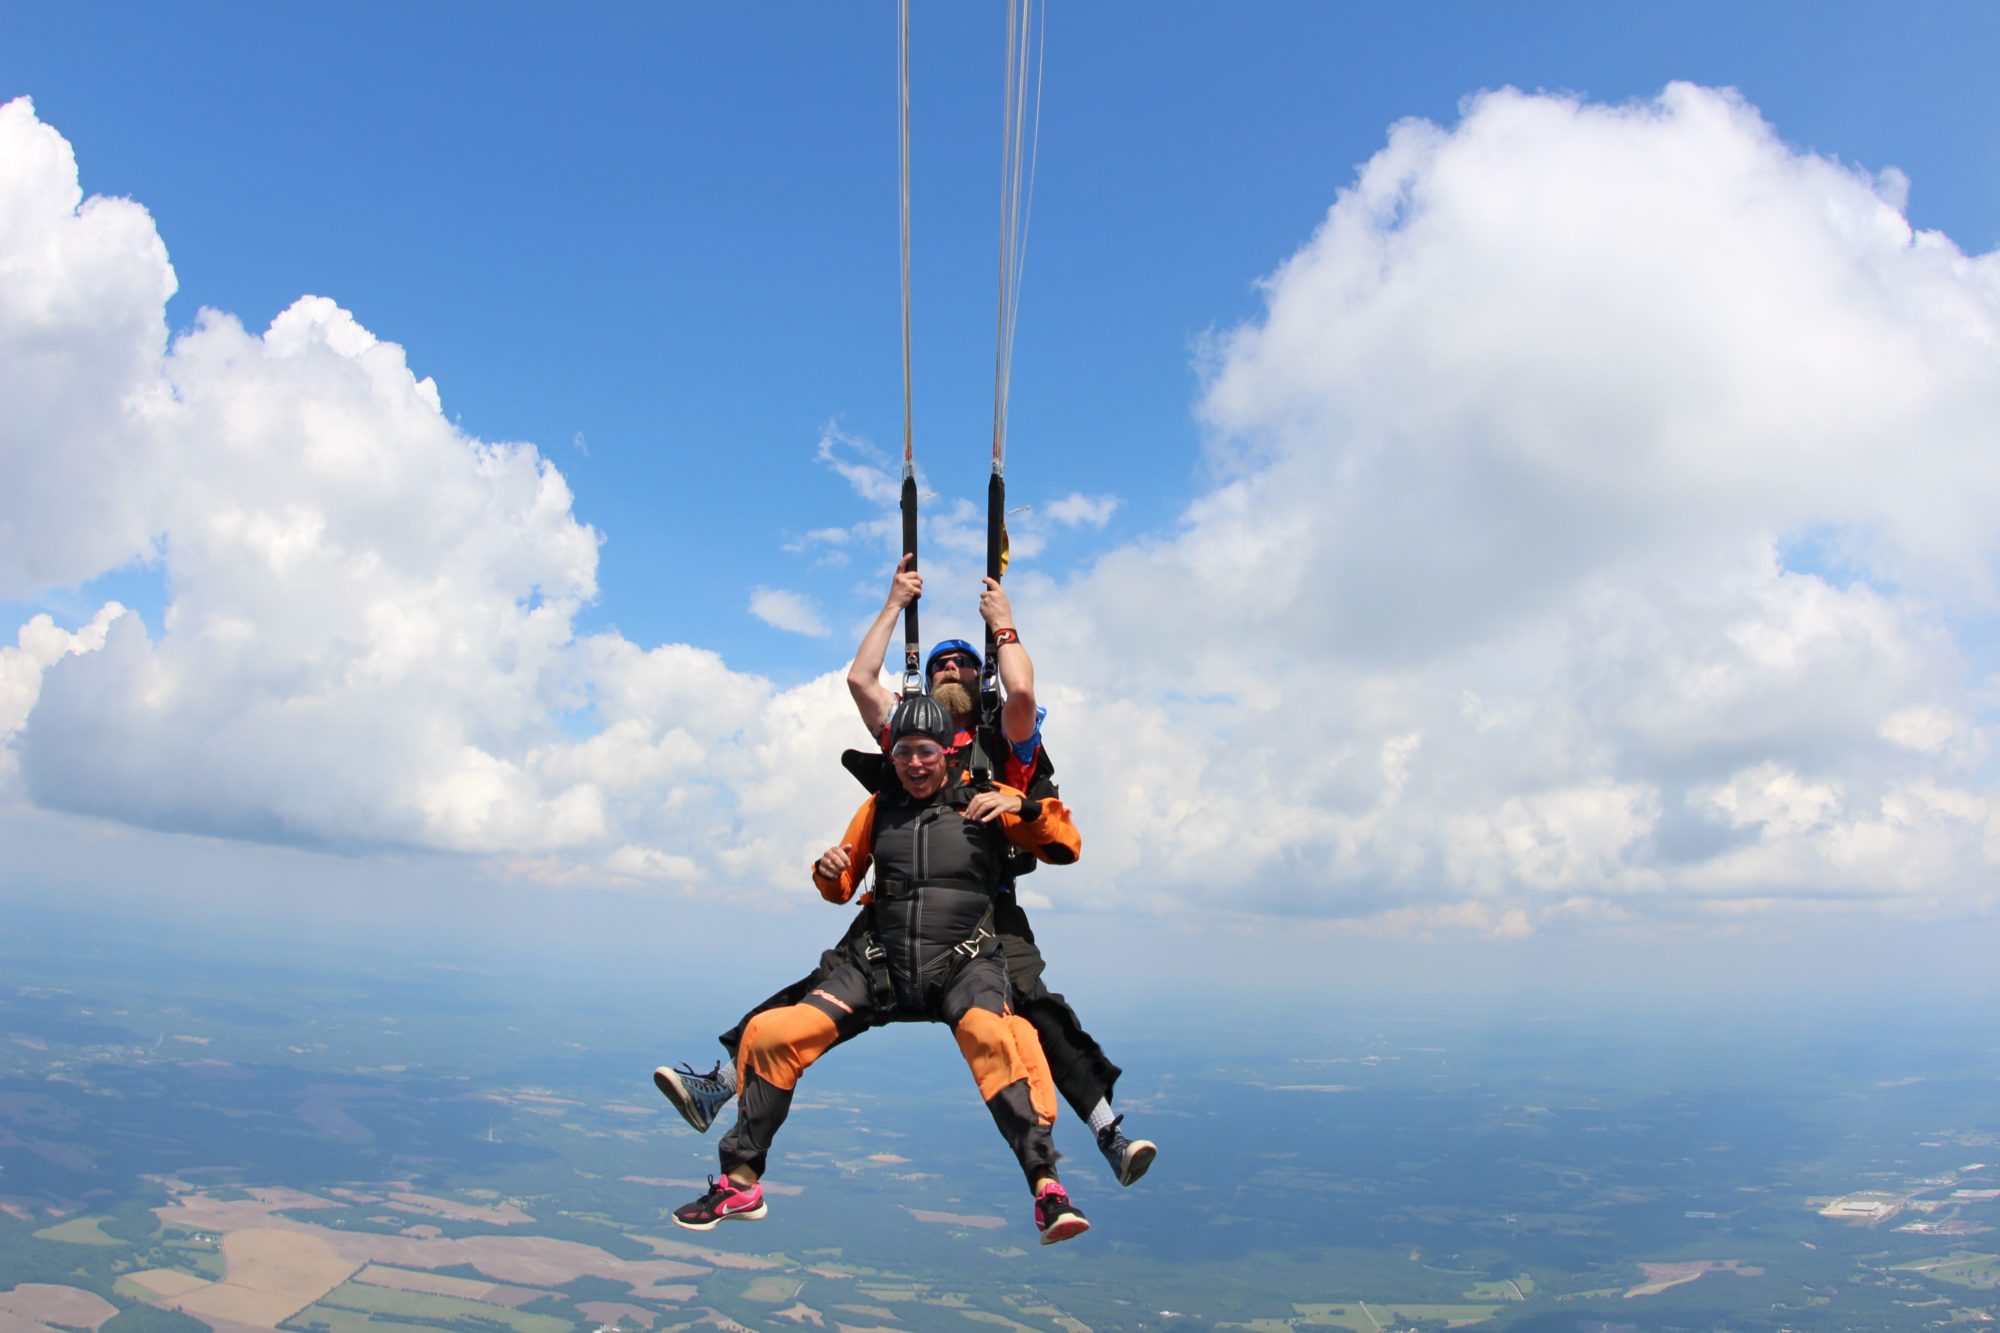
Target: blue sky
670, 230
657, 244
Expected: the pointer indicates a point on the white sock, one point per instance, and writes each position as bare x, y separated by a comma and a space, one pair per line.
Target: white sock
1101, 1115
728, 1077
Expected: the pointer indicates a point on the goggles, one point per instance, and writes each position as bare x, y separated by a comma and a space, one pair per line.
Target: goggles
910, 751
952, 648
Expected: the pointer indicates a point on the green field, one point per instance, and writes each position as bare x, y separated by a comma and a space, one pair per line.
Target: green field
1454, 1316
79, 1231
1961, 1268
386, 1303
324, 1319
771, 1289
1371, 1317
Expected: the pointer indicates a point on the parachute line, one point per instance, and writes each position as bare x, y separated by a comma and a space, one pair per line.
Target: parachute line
1020, 145
913, 681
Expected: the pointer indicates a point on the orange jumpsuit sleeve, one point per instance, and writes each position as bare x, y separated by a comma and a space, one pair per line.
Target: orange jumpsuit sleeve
860, 836
1051, 834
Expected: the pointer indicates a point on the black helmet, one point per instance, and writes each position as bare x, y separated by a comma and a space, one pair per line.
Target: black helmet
921, 715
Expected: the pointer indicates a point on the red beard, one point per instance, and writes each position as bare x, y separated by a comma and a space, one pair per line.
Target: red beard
955, 698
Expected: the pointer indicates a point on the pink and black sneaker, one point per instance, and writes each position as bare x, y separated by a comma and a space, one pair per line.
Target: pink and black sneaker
725, 1201
1055, 1216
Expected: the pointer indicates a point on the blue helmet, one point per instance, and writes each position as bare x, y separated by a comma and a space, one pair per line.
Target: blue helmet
950, 646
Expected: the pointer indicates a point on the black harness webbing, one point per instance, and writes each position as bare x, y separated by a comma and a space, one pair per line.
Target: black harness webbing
868, 950
875, 961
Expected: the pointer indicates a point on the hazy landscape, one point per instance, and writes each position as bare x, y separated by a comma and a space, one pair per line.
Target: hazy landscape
190, 1131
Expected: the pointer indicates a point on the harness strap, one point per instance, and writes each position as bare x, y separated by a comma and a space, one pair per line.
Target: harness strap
875, 959
968, 948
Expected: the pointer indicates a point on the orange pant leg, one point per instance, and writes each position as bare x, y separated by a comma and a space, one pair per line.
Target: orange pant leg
1001, 1049
780, 1044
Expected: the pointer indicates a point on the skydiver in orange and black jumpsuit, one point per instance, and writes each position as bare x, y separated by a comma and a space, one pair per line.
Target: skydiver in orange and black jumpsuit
1083, 1073
938, 845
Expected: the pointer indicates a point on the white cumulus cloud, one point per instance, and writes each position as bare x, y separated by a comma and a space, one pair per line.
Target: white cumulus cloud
781, 608
1622, 471
1079, 510
370, 639
83, 290
1601, 498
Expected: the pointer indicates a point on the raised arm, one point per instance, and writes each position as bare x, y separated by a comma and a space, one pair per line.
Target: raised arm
872, 698
1015, 668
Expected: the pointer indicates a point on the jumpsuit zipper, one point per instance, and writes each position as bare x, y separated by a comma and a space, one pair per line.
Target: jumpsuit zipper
920, 842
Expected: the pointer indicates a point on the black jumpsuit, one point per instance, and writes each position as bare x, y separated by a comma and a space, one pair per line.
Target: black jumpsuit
1083, 1073
937, 875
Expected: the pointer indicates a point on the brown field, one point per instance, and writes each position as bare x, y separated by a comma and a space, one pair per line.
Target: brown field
717, 1319
801, 1314
13, 1323
534, 1261
1661, 1276
703, 1254
610, 1312
167, 1281
67, 1307
669, 1182
272, 1275
506, 1215
435, 1284
980, 1223
531, 1261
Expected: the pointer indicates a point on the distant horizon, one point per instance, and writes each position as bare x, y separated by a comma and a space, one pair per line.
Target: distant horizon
1163, 990
465, 1145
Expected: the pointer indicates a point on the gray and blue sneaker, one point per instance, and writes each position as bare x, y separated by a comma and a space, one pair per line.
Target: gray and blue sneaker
696, 1096
1129, 1158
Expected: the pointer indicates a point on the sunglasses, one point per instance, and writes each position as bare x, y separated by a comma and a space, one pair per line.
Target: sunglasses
965, 660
